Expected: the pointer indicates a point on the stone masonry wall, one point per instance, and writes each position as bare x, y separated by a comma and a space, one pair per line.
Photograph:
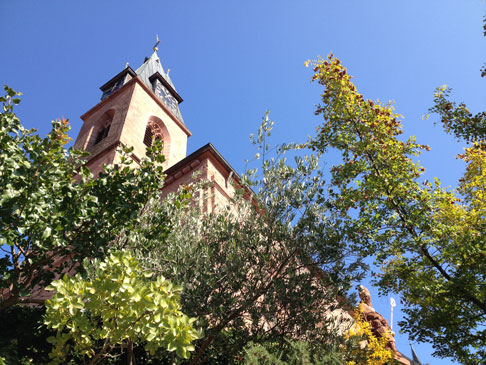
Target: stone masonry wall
142, 109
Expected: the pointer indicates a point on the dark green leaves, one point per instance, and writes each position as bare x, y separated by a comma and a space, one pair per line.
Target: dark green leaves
51, 207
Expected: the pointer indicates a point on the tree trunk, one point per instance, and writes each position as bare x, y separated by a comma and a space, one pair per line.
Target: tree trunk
130, 356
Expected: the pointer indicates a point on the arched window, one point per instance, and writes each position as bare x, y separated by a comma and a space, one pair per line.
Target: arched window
101, 135
152, 132
103, 126
155, 129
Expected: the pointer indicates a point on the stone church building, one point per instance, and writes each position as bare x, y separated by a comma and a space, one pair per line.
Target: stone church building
138, 106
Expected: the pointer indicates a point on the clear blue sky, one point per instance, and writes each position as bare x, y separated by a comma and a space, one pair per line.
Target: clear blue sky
232, 60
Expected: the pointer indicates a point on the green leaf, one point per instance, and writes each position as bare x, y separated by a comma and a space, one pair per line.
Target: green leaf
46, 233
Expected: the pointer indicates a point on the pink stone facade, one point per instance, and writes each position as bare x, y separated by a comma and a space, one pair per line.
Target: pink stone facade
114, 108
209, 166
145, 107
128, 111
378, 324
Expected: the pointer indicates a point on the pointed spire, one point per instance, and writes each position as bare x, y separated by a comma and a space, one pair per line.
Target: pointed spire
152, 65
415, 358
151, 70
149, 67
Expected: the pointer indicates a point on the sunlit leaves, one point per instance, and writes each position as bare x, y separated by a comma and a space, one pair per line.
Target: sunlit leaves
457, 119
115, 305
428, 240
376, 351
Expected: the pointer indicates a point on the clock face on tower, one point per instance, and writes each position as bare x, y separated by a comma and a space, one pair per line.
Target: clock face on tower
166, 97
111, 89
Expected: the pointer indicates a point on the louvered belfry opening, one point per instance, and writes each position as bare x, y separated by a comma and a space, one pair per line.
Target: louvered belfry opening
152, 133
102, 134
148, 137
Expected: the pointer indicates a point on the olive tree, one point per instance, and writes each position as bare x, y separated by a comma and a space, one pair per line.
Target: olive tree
267, 267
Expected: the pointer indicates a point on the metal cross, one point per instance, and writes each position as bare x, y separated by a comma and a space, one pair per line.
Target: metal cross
157, 43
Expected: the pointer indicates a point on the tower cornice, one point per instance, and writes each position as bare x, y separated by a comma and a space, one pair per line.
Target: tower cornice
128, 70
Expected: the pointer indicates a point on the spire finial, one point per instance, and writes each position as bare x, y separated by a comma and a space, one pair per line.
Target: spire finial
156, 43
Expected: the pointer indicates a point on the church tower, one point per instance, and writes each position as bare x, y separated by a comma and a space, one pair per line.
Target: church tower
136, 107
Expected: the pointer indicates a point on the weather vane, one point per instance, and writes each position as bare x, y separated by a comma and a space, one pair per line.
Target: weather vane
156, 43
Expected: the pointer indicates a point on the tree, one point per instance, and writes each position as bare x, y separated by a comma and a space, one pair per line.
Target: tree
52, 212
361, 347
268, 267
294, 353
428, 240
375, 351
258, 269
117, 304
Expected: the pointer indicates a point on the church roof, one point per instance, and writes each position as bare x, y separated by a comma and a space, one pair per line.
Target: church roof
152, 75
207, 148
151, 66
151, 70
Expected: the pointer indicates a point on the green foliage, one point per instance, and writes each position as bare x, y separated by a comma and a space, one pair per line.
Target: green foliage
428, 241
52, 208
117, 304
293, 353
457, 119
266, 266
